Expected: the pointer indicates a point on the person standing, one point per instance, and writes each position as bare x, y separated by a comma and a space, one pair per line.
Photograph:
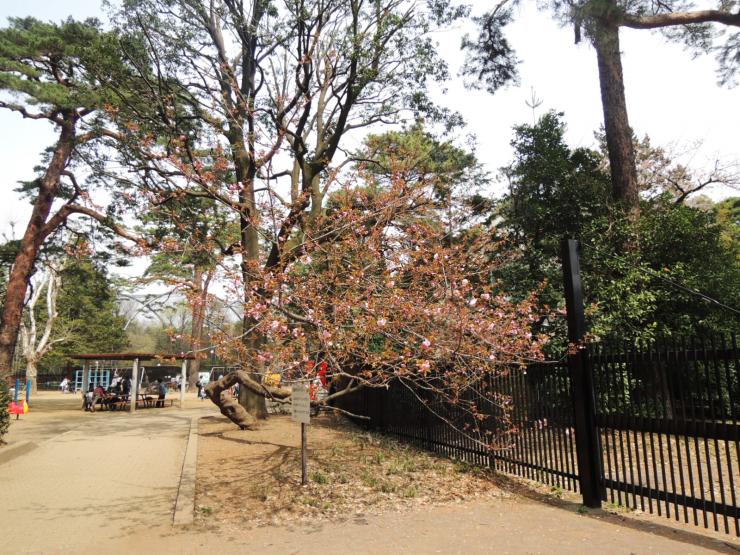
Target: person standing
162, 390
115, 383
87, 401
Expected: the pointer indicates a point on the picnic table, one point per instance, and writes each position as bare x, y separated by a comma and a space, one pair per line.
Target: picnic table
121, 402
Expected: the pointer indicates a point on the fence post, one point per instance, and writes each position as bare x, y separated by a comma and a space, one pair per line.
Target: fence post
382, 394
581, 374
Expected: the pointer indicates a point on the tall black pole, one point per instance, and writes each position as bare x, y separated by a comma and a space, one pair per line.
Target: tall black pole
581, 374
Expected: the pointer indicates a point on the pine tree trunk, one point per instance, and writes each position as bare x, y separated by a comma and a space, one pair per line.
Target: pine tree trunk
23, 267
253, 403
198, 319
616, 123
242, 139
245, 172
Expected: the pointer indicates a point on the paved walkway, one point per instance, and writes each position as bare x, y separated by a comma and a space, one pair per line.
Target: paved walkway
103, 476
506, 526
108, 483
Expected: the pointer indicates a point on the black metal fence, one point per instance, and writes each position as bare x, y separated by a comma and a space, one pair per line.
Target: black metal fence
667, 424
664, 422
525, 425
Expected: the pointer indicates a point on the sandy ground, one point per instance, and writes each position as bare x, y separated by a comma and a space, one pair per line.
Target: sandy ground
53, 413
513, 526
250, 501
91, 477
107, 482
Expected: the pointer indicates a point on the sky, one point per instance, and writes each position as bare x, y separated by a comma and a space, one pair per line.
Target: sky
670, 96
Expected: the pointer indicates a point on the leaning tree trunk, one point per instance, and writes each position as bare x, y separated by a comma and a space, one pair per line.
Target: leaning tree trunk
616, 122
253, 403
33, 238
218, 392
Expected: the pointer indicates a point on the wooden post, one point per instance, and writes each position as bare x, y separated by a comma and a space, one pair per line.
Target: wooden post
300, 407
581, 375
134, 393
85, 376
304, 454
183, 381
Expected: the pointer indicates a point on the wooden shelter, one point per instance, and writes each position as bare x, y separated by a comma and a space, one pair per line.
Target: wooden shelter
136, 358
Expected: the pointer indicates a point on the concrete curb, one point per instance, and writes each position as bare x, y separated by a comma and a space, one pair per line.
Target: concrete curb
185, 504
16, 450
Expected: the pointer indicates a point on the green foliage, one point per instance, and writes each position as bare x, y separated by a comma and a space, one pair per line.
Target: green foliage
561, 193
319, 477
548, 178
55, 70
191, 232
4, 415
88, 313
684, 245
491, 61
554, 192
727, 214
73, 74
32, 51
633, 270
415, 155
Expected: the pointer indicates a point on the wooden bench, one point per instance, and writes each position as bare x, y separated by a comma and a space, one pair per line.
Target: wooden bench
150, 401
109, 404
144, 401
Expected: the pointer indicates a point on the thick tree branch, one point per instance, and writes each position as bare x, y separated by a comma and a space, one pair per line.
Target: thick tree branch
26, 114
680, 18
68, 209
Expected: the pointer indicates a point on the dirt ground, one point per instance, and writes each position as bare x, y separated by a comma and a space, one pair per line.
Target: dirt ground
248, 490
255, 475
367, 494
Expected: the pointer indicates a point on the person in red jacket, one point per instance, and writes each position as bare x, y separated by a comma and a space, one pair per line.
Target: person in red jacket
98, 394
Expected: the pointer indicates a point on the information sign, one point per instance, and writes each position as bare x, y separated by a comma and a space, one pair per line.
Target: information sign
301, 404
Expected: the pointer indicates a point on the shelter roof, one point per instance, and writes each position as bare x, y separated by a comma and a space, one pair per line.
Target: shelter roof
133, 356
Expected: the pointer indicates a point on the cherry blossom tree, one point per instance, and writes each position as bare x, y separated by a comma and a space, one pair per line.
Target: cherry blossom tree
250, 104
378, 295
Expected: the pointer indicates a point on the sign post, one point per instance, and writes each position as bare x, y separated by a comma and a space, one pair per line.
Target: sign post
183, 382
133, 394
301, 412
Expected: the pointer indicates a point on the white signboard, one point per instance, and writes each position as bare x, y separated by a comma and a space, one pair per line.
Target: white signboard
301, 407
